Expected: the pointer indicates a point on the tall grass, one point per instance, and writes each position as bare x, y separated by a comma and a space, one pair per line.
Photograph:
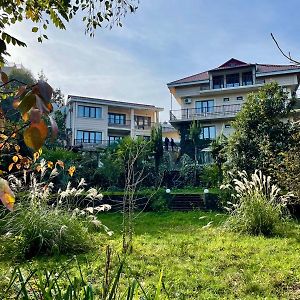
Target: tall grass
259, 207
75, 281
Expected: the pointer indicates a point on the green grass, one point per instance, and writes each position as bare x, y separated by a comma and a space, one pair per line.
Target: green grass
199, 261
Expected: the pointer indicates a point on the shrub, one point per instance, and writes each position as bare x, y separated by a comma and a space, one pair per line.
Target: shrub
44, 230
209, 176
259, 208
160, 201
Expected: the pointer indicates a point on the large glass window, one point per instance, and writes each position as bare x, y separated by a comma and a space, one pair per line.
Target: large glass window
89, 112
208, 132
116, 118
204, 106
247, 78
218, 82
142, 122
233, 80
88, 137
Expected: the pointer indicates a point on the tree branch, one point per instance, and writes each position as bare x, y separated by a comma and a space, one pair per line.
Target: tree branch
288, 56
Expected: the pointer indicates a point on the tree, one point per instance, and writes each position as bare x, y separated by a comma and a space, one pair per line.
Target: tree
96, 13
261, 133
194, 131
157, 145
217, 148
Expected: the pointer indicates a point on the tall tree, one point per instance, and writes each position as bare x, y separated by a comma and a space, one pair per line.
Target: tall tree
157, 145
261, 132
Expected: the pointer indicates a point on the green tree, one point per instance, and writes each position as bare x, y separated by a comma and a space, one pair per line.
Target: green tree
157, 145
194, 132
217, 148
261, 133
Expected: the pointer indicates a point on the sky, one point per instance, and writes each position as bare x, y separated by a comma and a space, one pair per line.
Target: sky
163, 41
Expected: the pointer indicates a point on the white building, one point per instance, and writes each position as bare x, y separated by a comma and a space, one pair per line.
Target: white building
99, 122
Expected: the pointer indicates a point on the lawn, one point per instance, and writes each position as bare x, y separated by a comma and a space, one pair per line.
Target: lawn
200, 261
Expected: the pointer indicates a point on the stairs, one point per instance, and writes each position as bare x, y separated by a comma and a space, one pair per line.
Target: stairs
187, 202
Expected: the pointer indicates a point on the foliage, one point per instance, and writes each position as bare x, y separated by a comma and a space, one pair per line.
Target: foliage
287, 171
157, 145
39, 230
43, 224
95, 14
259, 208
160, 200
261, 133
218, 153
187, 170
74, 280
209, 176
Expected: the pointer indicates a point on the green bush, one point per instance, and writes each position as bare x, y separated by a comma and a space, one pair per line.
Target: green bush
259, 208
160, 201
39, 230
209, 176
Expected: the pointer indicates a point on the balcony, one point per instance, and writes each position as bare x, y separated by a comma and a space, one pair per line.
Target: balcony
143, 126
123, 124
209, 113
94, 145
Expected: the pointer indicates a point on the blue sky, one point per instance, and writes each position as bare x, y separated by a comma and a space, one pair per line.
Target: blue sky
163, 41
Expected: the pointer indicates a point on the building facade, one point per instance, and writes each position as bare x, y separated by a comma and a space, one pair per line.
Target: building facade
214, 97
93, 122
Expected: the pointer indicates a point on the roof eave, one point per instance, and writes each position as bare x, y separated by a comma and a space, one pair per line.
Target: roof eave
262, 74
171, 84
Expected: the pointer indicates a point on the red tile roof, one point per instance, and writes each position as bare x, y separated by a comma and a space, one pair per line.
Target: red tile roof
234, 63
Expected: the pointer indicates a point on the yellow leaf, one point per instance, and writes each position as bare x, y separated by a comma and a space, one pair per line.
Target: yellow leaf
6, 195
71, 170
50, 164
15, 158
36, 155
38, 168
17, 148
18, 166
10, 167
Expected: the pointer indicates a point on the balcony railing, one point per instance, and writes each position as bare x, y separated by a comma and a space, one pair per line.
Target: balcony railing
147, 126
122, 124
214, 112
96, 144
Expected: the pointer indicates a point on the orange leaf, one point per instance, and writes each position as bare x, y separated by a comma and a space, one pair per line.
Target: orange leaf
10, 167
17, 148
35, 135
6, 195
4, 77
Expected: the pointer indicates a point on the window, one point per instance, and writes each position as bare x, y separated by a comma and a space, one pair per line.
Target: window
204, 106
208, 132
227, 126
225, 99
239, 98
233, 80
91, 137
89, 112
116, 118
142, 122
218, 82
247, 78
114, 139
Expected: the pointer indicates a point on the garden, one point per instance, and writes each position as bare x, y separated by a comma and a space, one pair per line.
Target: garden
133, 221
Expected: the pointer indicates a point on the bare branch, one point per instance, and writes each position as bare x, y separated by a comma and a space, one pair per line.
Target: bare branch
288, 56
